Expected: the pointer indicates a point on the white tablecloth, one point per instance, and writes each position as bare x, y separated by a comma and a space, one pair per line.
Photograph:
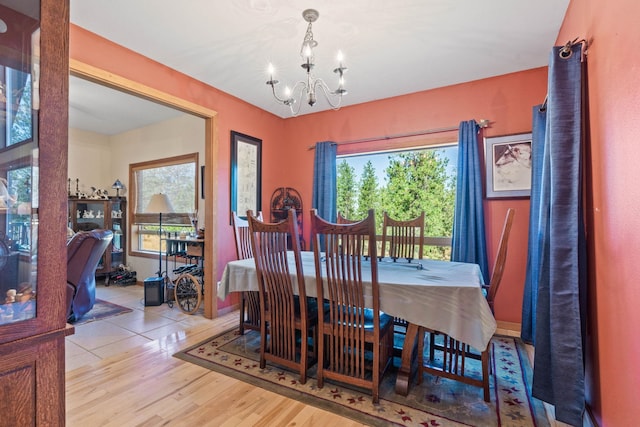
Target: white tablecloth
444, 296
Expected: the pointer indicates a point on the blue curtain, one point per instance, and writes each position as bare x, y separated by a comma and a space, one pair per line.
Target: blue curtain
558, 376
534, 255
325, 196
468, 242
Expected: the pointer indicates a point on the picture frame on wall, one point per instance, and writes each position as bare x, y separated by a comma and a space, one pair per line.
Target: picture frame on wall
508, 166
246, 174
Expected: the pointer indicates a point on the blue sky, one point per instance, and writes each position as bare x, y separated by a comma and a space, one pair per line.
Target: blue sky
380, 162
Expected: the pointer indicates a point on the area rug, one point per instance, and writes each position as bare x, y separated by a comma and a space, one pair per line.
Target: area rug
436, 402
102, 310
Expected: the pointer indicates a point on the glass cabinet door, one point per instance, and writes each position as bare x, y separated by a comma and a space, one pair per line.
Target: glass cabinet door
19, 103
117, 226
90, 215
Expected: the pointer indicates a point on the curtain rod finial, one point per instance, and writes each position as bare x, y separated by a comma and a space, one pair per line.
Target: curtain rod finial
484, 123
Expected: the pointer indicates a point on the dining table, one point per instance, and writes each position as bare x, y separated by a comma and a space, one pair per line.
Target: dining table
441, 296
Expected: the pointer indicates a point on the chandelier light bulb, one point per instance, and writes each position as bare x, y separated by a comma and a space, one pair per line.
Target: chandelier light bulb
340, 56
270, 70
307, 51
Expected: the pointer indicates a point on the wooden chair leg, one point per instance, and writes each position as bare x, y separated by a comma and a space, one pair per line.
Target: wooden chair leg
485, 374
242, 311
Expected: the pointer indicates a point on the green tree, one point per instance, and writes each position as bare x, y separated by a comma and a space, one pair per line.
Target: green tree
418, 181
346, 185
368, 194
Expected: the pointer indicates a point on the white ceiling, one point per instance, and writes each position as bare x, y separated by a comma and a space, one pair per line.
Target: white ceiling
391, 47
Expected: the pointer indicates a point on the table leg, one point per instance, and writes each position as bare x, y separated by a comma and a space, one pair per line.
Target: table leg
407, 367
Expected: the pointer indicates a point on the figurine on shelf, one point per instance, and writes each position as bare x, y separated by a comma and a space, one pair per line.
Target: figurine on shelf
25, 306
11, 296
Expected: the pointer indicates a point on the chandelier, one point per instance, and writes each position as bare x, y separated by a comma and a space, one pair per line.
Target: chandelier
312, 85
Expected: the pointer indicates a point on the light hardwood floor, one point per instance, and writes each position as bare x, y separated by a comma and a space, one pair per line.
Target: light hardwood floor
120, 372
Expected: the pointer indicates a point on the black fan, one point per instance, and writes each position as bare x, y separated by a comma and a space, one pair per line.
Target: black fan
283, 199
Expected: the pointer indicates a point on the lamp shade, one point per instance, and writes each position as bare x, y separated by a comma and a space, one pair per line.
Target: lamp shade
159, 203
117, 185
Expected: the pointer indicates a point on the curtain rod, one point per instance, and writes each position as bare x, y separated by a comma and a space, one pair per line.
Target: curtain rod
482, 123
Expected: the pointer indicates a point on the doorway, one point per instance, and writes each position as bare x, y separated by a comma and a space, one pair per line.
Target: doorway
109, 80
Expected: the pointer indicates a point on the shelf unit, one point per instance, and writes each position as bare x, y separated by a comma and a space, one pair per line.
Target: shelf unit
108, 214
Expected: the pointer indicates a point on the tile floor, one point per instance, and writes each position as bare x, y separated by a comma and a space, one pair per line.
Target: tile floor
105, 338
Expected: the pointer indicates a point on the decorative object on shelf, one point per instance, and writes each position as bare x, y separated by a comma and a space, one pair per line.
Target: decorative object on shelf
117, 186
283, 199
97, 193
193, 217
159, 204
309, 87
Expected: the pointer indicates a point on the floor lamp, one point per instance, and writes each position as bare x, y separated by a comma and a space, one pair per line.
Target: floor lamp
159, 204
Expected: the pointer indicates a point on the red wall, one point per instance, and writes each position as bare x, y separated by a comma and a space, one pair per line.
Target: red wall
613, 200
506, 100
233, 114
613, 372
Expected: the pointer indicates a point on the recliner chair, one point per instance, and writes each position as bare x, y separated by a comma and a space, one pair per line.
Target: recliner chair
84, 251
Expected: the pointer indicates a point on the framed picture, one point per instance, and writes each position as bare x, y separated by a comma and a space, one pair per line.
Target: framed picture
508, 166
246, 174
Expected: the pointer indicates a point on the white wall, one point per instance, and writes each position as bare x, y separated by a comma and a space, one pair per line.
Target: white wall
89, 161
113, 154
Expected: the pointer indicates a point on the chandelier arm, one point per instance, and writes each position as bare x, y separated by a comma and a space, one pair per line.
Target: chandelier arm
328, 94
298, 91
275, 95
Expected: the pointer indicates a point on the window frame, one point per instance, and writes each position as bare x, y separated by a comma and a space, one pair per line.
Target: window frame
139, 219
439, 241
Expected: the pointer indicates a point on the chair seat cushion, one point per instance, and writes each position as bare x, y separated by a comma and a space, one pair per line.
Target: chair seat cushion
385, 319
312, 307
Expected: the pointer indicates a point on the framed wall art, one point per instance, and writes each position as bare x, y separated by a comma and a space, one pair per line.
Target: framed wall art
508, 166
246, 174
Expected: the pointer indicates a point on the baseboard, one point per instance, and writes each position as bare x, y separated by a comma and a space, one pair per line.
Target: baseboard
510, 329
229, 309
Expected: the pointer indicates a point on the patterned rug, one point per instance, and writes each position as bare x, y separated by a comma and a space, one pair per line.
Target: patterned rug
102, 310
436, 402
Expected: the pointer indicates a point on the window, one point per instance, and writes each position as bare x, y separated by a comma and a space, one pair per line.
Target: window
15, 94
403, 183
177, 177
19, 212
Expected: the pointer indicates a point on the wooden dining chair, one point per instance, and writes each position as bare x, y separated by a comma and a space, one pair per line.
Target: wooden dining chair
404, 237
501, 258
350, 330
250, 300
344, 220
455, 353
286, 319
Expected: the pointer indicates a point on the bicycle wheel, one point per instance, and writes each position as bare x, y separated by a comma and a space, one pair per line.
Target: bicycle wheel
187, 293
